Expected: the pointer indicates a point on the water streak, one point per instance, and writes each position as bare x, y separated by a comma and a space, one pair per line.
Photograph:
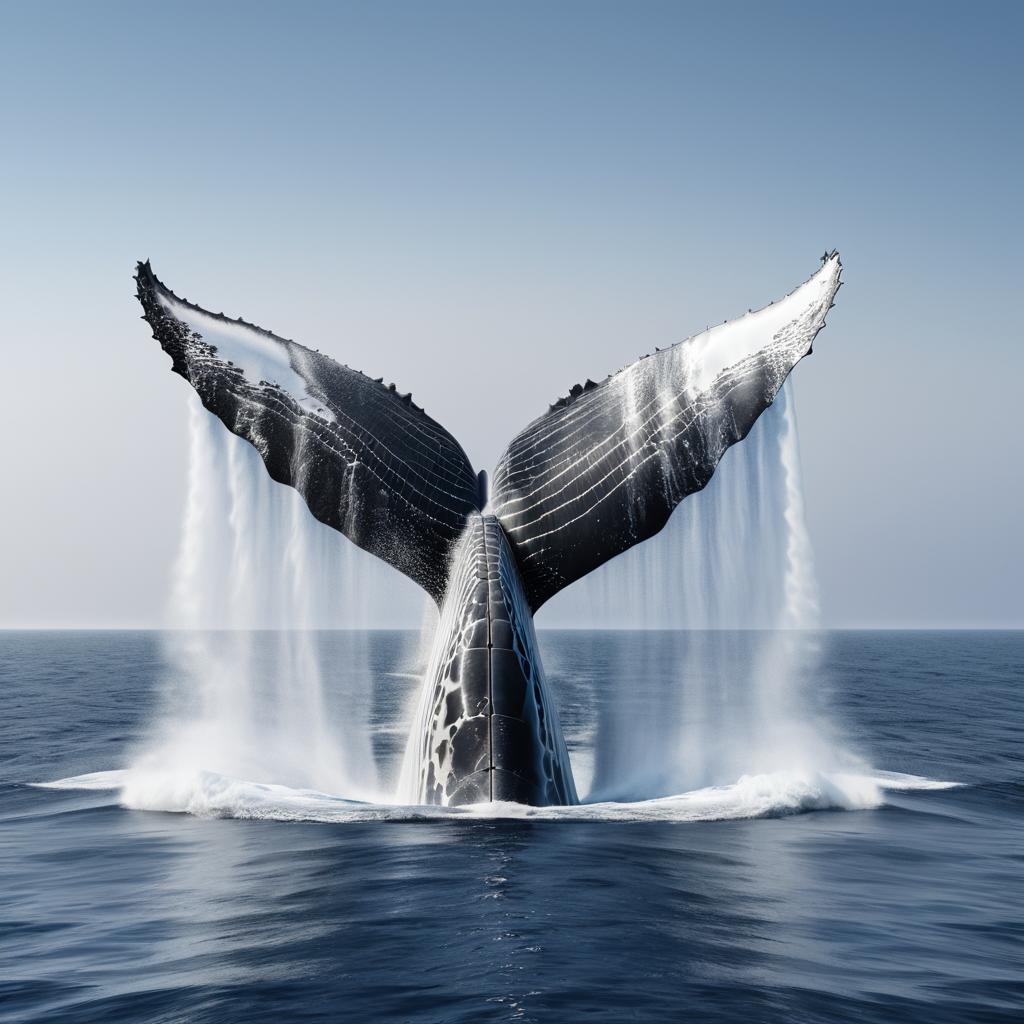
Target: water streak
246, 695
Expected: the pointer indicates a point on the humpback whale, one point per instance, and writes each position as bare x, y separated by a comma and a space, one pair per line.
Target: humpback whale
600, 471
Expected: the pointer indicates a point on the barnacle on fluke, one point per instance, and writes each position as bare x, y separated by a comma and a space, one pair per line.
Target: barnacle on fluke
599, 472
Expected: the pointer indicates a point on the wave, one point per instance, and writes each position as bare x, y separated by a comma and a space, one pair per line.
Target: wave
208, 794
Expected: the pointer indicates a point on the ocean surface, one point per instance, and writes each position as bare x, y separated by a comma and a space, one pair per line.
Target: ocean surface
893, 893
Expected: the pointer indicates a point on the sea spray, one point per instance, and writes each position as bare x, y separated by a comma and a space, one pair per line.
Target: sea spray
247, 695
731, 576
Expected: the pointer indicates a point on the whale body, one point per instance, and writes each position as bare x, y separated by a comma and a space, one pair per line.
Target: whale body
600, 471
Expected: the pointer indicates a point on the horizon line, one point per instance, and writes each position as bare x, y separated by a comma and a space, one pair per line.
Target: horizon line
544, 629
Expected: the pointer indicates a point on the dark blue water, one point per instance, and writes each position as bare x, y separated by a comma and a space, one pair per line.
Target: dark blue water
911, 911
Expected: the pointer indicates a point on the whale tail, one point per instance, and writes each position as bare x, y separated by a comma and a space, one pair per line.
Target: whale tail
602, 470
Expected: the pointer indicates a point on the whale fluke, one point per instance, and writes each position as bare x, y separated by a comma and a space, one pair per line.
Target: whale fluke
366, 459
604, 468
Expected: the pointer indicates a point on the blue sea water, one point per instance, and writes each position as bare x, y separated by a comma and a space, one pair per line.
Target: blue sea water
911, 909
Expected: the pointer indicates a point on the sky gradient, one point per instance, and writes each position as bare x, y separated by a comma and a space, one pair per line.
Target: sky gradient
487, 203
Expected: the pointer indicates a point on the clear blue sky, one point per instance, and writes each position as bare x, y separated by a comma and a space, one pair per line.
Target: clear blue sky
489, 202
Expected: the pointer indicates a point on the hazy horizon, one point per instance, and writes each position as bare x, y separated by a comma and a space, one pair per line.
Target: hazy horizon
489, 204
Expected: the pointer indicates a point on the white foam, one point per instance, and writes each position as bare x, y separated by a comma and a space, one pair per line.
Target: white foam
209, 794
101, 781
898, 782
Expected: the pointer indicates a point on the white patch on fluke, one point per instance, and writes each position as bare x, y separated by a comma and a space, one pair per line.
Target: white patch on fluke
728, 344
259, 356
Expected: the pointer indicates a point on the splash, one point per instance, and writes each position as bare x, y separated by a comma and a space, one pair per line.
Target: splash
247, 694
752, 796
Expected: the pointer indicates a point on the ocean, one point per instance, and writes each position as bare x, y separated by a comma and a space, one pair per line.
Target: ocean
891, 893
